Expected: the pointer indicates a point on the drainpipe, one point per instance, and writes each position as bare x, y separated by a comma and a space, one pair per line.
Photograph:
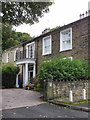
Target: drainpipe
36, 54
17, 81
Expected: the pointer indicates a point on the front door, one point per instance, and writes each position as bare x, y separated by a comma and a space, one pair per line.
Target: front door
30, 72
30, 76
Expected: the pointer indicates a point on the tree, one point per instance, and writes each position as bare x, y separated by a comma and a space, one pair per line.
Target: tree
17, 13
8, 37
11, 38
22, 37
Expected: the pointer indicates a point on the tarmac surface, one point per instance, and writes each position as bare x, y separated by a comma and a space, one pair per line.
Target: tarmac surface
44, 111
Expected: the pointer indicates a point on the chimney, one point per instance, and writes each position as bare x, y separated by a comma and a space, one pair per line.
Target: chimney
46, 30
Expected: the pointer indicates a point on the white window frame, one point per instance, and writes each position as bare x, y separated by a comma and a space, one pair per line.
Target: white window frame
15, 54
61, 48
27, 49
8, 57
70, 58
43, 47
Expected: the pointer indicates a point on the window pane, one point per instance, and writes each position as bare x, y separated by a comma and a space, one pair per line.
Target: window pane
47, 45
47, 42
66, 39
47, 49
31, 51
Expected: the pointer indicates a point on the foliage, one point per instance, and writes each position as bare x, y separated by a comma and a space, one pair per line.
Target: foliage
64, 69
9, 72
22, 37
11, 38
54, 28
38, 87
17, 13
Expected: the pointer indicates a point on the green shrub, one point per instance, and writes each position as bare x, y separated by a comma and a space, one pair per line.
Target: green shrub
38, 88
9, 72
63, 69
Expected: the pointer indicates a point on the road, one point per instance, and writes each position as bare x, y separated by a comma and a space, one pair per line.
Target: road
44, 110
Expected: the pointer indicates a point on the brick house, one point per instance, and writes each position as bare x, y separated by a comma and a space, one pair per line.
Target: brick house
67, 41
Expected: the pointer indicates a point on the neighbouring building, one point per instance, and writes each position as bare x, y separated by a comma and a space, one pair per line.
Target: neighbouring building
67, 41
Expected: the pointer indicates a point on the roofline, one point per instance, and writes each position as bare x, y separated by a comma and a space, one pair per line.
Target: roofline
55, 30
34, 39
12, 47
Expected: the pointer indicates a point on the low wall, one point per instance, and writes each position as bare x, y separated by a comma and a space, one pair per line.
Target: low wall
67, 91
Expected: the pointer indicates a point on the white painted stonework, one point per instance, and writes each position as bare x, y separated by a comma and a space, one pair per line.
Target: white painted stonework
71, 96
84, 94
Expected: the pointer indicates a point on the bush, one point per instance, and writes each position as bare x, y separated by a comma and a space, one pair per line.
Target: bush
9, 72
63, 69
38, 87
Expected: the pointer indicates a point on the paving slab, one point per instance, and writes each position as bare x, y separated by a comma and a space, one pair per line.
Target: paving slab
15, 98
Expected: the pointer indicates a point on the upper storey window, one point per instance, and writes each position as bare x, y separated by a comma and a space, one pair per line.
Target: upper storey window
66, 39
30, 50
46, 45
15, 54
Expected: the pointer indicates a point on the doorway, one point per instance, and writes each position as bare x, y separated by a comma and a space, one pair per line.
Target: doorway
30, 72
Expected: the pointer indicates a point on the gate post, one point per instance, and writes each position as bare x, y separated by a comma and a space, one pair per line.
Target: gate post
71, 96
84, 94
71, 93
45, 90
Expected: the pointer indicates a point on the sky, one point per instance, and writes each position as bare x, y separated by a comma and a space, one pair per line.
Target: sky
61, 13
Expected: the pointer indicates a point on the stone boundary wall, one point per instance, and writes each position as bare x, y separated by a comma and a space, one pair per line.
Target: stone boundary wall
67, 91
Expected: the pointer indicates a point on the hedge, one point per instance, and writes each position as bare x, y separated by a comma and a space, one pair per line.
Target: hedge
63, 69
9, 72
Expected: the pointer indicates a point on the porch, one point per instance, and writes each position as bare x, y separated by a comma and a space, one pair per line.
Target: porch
28, 71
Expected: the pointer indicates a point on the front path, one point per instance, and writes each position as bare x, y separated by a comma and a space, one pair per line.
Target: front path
15, 98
